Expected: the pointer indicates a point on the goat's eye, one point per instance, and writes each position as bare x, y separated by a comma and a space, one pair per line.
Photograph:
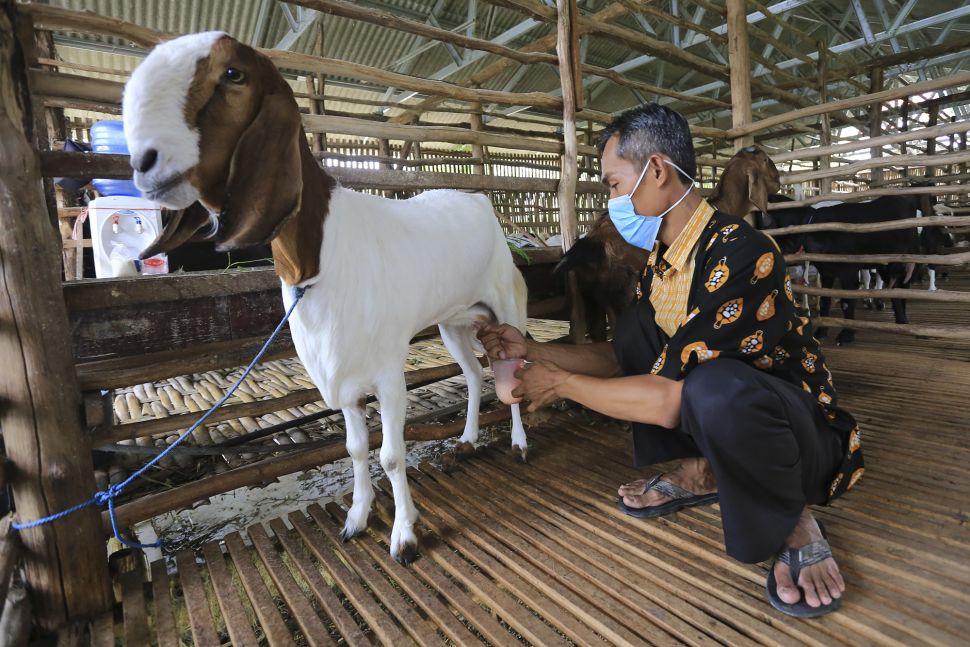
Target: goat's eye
234, 76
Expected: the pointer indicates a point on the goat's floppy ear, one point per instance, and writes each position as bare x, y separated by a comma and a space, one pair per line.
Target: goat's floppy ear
191, 223
265, 183
757, 189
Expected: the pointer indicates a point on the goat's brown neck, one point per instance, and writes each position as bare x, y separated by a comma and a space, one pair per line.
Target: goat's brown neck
296, 250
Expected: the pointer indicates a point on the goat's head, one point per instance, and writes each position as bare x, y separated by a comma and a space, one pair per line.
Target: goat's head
210, 119
746, 182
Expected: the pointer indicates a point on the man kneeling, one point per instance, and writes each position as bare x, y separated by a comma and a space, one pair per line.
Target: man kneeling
714, 366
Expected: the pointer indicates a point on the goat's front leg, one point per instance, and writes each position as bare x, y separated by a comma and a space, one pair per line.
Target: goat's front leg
357, 447
392, 393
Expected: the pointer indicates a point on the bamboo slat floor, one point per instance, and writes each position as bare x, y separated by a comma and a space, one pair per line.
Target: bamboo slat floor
538, 553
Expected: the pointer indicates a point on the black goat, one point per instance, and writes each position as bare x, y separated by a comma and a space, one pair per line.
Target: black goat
900, 241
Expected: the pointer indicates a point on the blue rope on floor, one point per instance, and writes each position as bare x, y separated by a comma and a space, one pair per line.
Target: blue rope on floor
107, 497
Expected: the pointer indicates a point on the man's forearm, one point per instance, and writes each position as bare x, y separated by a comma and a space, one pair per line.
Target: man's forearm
649, 399
596, 359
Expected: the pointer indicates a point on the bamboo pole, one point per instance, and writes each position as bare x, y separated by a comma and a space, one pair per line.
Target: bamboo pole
922, 133
478, 150
66, 568
915, 330
880, 259
848, 170
948, 81
825, 132
869, 227
942, 296
738, 56
863, 195
567, 37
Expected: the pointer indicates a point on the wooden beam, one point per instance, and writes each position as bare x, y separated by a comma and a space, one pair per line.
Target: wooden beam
863, 195
66, 569
478, 150
867, 260
825, 130
61, 164
940, 296
849, 170
962, 78
566, 41
869, 227
940, 332
884, 140
740, 71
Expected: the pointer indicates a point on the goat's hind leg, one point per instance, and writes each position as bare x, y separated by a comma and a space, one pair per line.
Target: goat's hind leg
458, 341
392, 393
359, 450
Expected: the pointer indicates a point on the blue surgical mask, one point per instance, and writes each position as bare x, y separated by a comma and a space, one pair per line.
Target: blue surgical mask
640, 231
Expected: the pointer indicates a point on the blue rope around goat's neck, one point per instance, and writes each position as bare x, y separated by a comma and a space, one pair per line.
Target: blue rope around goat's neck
107, 497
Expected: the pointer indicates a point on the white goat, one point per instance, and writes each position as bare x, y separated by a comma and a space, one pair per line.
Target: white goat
210, 119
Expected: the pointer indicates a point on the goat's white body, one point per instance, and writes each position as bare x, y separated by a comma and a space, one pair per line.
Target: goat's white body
388, 269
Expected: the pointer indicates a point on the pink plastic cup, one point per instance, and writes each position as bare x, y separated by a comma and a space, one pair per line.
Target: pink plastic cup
505, 380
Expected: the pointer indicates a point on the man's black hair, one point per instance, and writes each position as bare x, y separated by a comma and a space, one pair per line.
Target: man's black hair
650, 129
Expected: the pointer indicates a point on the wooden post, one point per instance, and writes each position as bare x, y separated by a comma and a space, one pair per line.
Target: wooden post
904, 113
740, 66
478, 150
931, 142
875, 122
567, 36
66, 568
826, 125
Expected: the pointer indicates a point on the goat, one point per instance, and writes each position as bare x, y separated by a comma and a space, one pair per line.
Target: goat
607, 267
900, 241
210, 119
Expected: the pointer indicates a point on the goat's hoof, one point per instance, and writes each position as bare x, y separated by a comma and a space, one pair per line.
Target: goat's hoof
407, 553
349, 533
464, 450
821, 333
868, 304
844, 340
520, 453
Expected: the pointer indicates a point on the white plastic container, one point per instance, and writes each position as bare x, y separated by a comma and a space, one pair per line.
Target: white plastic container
121, 227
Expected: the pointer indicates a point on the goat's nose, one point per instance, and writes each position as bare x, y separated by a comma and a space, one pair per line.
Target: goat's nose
146, 161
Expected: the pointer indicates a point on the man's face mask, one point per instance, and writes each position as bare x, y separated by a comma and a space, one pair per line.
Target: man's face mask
638, 230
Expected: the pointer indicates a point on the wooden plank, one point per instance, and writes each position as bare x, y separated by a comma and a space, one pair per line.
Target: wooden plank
944, 296
883, 140
421, 630
64, 560
135, 616
233, 613
878, 163
615, 611
490, 580
165, 632
484, 623
326, 597
96, 294
941, 332
204, 632
368, 608
867, 260
314, 631
860, 228
271, 622
145, 367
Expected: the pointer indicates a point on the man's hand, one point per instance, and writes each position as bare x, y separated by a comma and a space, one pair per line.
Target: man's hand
502, 342
540, 384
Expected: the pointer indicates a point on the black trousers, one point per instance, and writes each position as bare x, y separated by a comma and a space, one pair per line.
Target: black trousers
768, 443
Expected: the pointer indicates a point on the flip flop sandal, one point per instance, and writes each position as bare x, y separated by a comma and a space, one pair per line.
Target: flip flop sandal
681, 499
797, 559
